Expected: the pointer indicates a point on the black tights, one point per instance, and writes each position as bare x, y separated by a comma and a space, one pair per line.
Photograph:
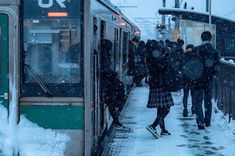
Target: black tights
161, 114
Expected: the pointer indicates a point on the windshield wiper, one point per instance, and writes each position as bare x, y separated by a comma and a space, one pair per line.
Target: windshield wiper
39, 81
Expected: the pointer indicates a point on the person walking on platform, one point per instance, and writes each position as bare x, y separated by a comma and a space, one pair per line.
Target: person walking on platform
187, 83
140, 65
158, 97
202, 88
110, 82
131, 55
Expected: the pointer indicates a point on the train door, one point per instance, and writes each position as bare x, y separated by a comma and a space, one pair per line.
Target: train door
120, 50
9, 66
96, 130
4, 60
103, 110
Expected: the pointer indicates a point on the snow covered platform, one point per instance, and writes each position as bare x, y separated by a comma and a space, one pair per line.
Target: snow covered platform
185, 138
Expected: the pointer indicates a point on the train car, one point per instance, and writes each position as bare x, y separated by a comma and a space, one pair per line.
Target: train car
50, 64
223, 29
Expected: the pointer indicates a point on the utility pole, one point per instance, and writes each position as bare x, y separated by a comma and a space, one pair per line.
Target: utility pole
208, 9
163, 16
177, 22
209, 3
177, 3
163, 20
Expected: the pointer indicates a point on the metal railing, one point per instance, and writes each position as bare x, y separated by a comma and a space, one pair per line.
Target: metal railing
224, 88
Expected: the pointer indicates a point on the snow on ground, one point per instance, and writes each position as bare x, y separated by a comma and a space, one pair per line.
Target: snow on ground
186, 139
30, 138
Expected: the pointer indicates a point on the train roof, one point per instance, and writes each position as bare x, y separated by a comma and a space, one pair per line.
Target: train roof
223, 24
115, 9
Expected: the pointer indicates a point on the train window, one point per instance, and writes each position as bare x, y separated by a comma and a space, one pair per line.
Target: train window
52, 52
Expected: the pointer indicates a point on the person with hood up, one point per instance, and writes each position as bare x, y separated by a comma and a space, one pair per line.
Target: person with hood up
159, 98
132, 46
140, 65
109, 79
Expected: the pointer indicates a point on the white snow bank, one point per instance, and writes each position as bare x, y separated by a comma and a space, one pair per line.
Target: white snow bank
30, 138
229, 62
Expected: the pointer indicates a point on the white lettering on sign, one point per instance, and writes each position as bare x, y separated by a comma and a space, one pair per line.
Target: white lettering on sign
50, 3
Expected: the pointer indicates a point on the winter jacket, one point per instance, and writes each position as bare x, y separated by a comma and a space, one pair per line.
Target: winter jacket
106, 47
156, 68
140, 55
204, 51
131, 58
112, 88
186, 58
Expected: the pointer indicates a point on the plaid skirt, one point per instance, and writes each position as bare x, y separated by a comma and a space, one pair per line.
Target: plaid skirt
159, 98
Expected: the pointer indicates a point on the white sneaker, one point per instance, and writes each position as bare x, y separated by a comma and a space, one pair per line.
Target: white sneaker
152, 131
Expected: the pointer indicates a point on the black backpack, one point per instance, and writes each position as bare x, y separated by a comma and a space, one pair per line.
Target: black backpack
193, 68
202, 64
209, 58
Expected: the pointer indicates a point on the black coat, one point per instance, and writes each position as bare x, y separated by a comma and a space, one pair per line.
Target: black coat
187, 57
158, 96
131, 58
156, 68
140, 57
112, 88
208, 73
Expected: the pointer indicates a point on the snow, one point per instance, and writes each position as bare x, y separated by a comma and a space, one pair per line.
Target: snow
186, 139
29, 138
228, 62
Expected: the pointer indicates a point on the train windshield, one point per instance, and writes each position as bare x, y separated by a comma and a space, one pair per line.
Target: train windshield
52, 43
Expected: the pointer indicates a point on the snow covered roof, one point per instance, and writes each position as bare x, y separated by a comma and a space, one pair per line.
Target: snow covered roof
180, 11
223, 25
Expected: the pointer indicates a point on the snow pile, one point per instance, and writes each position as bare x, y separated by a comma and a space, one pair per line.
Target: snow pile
218, 117
30, 139
229, 62
221, 120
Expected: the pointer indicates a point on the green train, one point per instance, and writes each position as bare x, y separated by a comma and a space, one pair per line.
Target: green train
49, 81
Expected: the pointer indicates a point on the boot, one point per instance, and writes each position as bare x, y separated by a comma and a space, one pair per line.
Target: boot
185, 113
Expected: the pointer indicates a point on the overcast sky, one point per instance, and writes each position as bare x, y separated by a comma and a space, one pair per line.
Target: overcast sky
146, 13
148, 8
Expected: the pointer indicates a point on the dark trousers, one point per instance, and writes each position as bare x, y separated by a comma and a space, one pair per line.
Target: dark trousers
161, 114
200, 94
185, 97
113, 113
138, 78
